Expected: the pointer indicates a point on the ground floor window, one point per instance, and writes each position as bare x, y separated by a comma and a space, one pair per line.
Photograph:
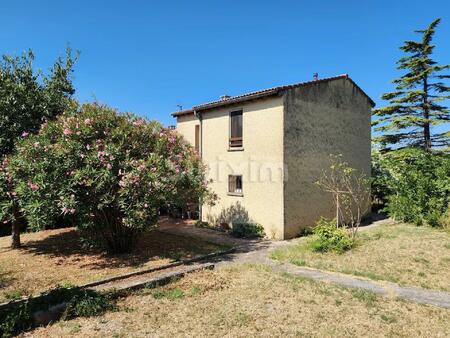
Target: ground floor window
235, 184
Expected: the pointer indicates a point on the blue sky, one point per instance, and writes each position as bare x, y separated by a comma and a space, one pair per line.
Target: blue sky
148, 56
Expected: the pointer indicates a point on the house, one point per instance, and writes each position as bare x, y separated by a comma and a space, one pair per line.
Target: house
266, 149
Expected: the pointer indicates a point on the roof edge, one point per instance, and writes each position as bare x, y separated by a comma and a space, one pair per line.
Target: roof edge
265, 93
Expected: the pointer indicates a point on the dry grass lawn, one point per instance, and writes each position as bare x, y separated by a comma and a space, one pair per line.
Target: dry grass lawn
53, 257
400, 253
251, 300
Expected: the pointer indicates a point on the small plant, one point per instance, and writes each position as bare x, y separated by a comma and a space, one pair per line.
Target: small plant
84, 303
306, 231
350, 189
298, 262
14, 295
201, 224
15, 321
169, 294
247, 230
87, 303
366, 296
330, 238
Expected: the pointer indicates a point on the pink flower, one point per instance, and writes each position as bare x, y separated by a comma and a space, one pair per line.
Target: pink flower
32, 186
145, 205
109, 166
88, 121
67, 131
25, 134
138, 122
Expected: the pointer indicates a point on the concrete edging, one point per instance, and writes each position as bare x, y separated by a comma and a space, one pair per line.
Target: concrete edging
54, 312
18, 302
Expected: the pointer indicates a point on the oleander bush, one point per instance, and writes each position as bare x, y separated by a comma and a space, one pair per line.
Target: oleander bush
109, 173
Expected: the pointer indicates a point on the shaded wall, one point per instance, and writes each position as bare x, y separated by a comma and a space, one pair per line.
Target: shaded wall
322, 119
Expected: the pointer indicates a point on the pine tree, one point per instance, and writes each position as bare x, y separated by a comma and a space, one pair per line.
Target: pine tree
418, 103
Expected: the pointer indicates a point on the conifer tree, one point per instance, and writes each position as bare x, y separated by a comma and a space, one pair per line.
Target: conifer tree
418, 102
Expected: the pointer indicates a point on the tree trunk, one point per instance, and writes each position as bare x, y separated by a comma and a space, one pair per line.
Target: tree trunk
15, 229
15, 234
426, 115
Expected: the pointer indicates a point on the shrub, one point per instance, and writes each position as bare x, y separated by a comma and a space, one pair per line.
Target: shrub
79, 302
330, 238
247, 230
350, 189
87, 303
202, 224
15, 321
413, 185
444, 221
109, 173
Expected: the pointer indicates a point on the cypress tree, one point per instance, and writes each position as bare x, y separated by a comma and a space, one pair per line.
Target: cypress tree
418, 102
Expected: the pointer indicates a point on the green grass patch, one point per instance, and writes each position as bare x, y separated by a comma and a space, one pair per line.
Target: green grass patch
371, 275
169, 294
388, 318
14, 295
299, 262
366, 296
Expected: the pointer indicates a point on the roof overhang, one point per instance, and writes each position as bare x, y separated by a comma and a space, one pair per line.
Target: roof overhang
264, 93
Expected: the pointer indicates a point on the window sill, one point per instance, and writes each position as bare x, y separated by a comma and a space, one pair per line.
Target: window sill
237, 194
236, 149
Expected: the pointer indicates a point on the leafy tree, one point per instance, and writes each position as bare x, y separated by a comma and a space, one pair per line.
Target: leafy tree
27, 99
110, 172
413, 184
417, 104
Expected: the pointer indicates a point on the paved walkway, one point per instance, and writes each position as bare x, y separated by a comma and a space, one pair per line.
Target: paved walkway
259, 252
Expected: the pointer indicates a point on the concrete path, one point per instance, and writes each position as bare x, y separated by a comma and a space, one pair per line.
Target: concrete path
259, 252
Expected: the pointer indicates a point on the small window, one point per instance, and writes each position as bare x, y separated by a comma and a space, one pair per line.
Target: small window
197, 138
235, 184
236, 129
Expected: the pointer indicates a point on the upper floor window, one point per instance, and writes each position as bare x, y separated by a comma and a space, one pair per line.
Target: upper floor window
236, 129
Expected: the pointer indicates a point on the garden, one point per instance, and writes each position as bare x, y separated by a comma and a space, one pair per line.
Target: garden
83, 187
57, 257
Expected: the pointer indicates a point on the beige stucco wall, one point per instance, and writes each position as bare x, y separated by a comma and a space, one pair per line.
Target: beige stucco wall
326, 118
260, 162
186, 127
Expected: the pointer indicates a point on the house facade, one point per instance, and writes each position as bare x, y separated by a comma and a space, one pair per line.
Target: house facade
264, 150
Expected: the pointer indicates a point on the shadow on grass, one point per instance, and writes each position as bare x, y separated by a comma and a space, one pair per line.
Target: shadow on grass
6, 279
152, 246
